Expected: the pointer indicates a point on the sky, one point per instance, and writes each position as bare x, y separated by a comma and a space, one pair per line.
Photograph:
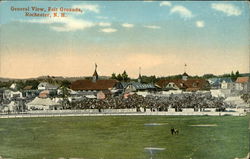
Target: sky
160, 37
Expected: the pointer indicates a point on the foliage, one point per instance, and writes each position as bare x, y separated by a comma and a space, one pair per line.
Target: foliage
113, 76
65, 83
5, 84
33, 83
207, 76
148, 79
121, 77
125, 76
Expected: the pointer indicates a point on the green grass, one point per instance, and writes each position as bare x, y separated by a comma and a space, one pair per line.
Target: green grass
124, 137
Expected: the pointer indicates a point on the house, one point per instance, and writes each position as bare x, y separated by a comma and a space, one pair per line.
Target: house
216, 83
242, 84
184, 84
29, 92
13, 86
175, 84
46, 86
227, 83
196, 84
11, 94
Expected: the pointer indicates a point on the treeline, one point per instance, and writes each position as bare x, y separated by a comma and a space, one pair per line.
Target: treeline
123, 77
152, 79
21, 84
233, 75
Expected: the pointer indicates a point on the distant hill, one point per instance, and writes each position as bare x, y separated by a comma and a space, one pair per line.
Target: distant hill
60, 78
44, 78
244, 74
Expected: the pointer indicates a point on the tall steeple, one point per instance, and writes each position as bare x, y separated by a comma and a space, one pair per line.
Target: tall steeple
185, 75
139, 78
95, 75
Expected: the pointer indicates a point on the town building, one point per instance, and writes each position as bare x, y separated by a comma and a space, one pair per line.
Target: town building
43, 104
242, 84
227, 83
137, 86
220, 83
184, 84
46, 86
94, 85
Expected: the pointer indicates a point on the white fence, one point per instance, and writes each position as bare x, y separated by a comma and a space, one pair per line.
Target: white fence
118, 112
82, 111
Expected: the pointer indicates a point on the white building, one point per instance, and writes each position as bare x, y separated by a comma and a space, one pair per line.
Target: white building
8, 94
46, 86
13, 86
227, 85
43, 104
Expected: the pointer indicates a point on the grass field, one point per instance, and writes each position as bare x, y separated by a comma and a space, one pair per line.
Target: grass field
124, 137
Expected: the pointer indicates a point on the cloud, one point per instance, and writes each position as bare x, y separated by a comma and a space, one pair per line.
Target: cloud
67, 24
200, 23
104, 24
165, 3
152, 27
228, 9
182, 11
127, 25
87, 7
101, 17
108, 30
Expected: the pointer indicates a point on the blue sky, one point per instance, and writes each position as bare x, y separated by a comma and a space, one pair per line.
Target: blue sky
160, 37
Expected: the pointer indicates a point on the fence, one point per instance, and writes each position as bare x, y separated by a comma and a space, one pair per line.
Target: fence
117, 112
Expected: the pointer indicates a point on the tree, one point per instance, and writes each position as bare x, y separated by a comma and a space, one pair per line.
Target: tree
65, 83
125, 76
113, 76
207, 76
33, 83
235, 76
148, 79
119, 77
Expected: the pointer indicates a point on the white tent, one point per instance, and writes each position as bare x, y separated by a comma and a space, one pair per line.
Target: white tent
43, 104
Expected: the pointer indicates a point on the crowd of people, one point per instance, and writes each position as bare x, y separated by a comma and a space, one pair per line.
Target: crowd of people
160, 103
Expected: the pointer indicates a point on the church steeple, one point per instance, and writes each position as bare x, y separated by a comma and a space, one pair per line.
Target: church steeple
185, 75
95, 75
139, 78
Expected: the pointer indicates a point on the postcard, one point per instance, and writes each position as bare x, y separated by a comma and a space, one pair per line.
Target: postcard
124, 79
